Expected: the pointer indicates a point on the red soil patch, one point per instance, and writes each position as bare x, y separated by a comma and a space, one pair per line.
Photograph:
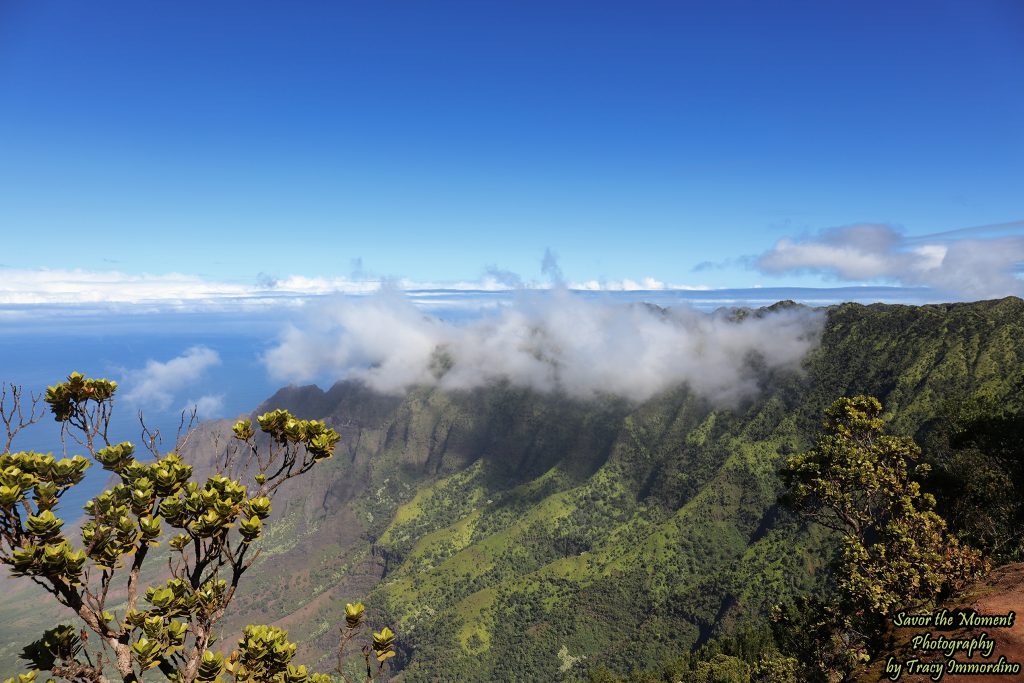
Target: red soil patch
998, 594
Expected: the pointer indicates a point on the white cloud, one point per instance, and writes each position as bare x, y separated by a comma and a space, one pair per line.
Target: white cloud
558, 341
978, 268
21, 287
207, 407
647, 284
157, 383
45, 286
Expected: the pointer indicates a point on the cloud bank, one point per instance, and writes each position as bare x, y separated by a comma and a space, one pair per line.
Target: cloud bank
46, 286
559, 341
964, 267
157, 383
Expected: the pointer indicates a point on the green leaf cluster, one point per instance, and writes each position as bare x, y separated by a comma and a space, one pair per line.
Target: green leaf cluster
319, 439
68, 398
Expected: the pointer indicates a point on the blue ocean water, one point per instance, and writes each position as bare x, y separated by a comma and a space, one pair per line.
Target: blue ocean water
36, 360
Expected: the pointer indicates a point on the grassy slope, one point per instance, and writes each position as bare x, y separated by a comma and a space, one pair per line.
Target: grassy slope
678, 523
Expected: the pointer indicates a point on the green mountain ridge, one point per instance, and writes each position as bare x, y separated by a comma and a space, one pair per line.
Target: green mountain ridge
507, 535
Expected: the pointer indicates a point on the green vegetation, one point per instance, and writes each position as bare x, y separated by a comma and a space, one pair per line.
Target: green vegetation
895, 550
976, 451
511, 536
168, 626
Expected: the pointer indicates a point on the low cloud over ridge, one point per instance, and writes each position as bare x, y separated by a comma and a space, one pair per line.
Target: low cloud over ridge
558, 341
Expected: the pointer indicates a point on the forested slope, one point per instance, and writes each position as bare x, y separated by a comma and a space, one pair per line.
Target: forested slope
511, 536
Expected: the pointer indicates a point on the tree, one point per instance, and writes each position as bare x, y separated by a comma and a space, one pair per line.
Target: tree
976, 448
895, 550
213, 529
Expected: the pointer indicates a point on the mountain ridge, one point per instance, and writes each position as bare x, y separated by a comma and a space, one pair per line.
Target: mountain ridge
495, 528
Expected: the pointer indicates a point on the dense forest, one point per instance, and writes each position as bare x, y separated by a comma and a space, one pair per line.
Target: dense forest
507, 535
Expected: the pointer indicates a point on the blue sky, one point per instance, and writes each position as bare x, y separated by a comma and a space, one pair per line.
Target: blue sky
191, 192
724, 144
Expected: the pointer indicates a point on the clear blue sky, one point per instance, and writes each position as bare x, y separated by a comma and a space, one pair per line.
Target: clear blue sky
432, 139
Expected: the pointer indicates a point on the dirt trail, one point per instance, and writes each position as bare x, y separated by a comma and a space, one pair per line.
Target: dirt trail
1000, 593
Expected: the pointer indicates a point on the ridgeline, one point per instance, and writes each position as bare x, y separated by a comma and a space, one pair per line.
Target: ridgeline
511, 536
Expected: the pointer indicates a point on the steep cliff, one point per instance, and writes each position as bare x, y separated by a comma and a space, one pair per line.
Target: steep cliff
508, 535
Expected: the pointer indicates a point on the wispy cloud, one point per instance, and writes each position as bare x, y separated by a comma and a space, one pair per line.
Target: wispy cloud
990, 230
724, 264
549, 268
558, 342
157, 383
959, 263
505, 278
207, 407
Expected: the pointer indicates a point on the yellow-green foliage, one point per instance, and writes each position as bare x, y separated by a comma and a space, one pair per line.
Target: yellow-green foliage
896, 552
214, 525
